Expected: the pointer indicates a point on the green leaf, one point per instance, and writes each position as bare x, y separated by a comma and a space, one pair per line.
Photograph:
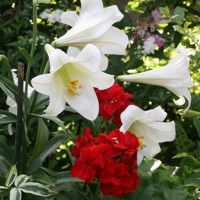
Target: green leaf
64, 177
52, 145
37, 189
10, 88
170, 190
165, 11
42, 138
4, 166
6, 152
25, 54
54, 119
179, 15
12, 175
38, 102
42, 177
197, 125
182, 155
143, 192
11, 92
15, 194
7, 117
21, 180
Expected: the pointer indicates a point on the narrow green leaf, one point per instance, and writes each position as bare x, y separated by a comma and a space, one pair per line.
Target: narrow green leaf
182, 155
41, 140
15, 194
54, 119
7, 117
21, 180
42, 177
4, 166
37, 189
197, 125
64, 177
6, 152
52, 145
25, 54
11, 176
10, 88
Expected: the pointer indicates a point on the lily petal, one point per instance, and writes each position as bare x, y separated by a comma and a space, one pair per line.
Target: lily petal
174, 76
90, 6
149, 127
112, 45
70, 18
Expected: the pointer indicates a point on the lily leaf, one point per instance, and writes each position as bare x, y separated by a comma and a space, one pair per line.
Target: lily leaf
52, 145
54, 119
42, 138
7, 117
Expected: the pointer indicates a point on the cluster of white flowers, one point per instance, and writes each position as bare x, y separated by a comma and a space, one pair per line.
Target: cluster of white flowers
149, 45
52, 17
42, 40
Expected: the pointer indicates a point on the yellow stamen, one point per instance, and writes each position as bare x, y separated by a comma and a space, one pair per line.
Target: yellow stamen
73, 88
140, 142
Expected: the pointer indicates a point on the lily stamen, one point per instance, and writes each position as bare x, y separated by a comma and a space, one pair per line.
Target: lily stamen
73, 88
140, 142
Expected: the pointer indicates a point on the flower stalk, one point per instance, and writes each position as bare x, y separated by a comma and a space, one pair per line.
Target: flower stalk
33, 44
19, 131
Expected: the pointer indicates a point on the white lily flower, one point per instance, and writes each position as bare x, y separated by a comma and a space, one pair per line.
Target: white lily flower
11, 102
174, 76
71, 80
94, 25
149, 127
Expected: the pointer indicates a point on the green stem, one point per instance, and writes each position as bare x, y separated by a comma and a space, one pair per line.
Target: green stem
19, 129
97, 192
6, 63
33, 45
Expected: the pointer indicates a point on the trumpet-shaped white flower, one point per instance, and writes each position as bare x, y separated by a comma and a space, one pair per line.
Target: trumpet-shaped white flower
11, 102
149, 127
71, 80
94, 25
174, 76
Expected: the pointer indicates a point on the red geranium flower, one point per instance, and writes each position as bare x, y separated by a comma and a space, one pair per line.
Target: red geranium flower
90, 162
116, 180
111, 158
82, 141
112, 102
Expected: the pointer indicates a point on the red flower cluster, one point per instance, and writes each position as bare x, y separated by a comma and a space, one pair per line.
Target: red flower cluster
110, 158
112, 102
